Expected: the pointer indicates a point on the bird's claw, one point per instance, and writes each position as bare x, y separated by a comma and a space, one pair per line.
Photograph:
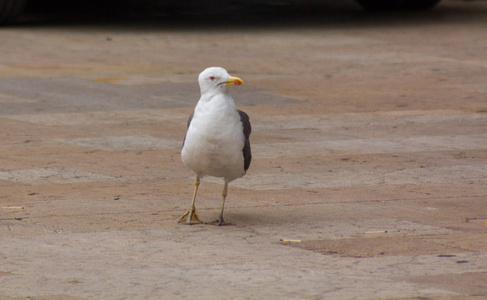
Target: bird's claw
190, 218
220, 222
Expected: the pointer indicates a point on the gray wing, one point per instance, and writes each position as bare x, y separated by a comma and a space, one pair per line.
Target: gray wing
247, 129
189, 122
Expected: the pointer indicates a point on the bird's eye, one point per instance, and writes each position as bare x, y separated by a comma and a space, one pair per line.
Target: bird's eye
212, 78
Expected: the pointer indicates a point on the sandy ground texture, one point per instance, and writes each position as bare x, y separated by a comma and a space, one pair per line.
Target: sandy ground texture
369, 176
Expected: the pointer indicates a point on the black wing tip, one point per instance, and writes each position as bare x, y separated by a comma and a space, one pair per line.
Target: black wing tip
244, 118
247, 129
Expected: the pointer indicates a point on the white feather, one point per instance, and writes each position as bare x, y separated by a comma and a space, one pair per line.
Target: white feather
215, 139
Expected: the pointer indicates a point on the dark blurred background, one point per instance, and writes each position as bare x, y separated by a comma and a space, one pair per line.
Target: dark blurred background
100, 11
190, 11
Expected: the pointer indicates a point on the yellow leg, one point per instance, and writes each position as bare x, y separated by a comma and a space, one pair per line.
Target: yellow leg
220, 220
191, 217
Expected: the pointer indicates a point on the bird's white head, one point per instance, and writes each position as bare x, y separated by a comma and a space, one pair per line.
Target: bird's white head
216, 80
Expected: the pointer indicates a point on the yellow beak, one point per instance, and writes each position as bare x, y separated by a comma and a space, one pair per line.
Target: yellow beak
234, 80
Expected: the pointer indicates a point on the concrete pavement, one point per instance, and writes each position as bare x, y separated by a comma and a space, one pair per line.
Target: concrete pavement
368, 179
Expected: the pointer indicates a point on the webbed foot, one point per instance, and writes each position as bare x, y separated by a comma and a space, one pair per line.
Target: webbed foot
220, 222
190, 218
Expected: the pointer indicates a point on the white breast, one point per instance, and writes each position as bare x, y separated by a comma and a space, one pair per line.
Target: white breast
215, 139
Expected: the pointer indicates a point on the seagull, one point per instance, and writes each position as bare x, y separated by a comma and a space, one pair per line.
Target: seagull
217, 138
